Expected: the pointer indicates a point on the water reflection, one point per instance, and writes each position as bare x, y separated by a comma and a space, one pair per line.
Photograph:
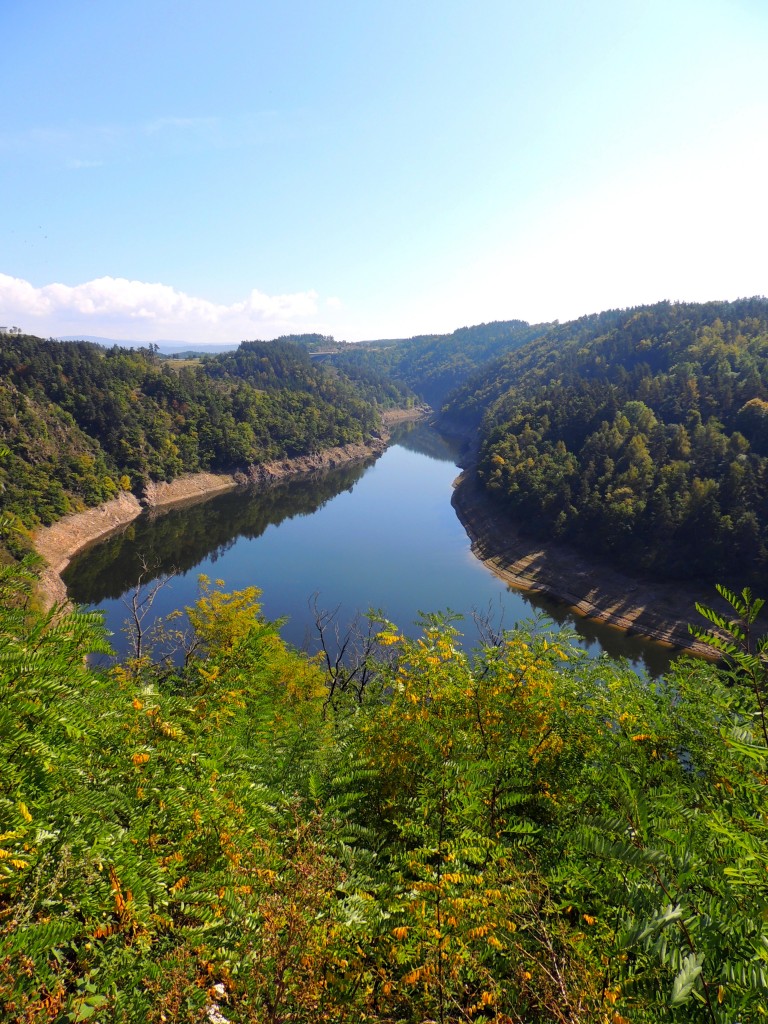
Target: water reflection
425, 440
654, 658
379, 535
179, 538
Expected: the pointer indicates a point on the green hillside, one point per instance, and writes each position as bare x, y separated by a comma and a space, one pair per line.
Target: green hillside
640, 435
82, 422
432, 365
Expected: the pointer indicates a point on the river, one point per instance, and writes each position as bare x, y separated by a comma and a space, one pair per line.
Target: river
379, 535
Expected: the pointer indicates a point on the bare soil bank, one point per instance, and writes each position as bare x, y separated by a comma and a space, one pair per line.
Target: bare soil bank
302, 465
59, 543
640, 607
390, 417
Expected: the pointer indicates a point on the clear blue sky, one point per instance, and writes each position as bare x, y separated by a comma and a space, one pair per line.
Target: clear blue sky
218, 171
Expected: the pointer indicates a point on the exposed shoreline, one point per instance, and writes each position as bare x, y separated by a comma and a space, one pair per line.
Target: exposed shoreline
59, 543
639, 607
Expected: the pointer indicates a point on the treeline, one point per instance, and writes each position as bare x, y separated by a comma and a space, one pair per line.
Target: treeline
371, 383
640, 435
432, 365
529, 835
83, 422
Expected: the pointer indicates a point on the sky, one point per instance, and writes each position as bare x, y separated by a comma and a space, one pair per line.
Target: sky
217, 172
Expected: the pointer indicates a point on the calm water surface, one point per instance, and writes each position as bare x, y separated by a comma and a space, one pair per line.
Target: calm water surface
381, 535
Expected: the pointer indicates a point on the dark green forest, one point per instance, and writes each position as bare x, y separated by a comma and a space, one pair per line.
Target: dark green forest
432, 365
83, 422
638, 435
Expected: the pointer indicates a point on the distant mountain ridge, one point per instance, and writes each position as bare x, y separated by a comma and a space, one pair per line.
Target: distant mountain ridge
165, 347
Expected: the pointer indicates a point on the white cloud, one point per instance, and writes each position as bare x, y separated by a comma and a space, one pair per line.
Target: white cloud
332, 302
117, 307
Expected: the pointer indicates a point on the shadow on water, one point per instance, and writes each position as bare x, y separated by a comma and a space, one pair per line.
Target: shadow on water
654, 658
179, 538
423, 439
395, 544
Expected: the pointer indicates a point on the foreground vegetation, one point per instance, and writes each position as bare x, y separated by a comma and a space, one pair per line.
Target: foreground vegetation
531, 835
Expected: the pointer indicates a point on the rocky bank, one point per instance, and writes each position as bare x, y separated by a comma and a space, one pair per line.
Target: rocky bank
643, 607
58, 544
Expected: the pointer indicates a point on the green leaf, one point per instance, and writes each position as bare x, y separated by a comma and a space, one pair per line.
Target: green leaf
669, 915
686, 979
87, 1007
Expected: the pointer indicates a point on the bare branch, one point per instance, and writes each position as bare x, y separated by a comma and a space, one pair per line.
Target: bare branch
139, 604
347, 653
490, 625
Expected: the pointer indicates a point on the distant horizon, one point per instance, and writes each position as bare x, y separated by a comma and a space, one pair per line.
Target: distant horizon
377, 171
200, 332
188, 343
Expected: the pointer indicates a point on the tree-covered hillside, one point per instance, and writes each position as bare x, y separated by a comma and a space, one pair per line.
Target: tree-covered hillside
83, 422
371, 383
433, 365
638, 434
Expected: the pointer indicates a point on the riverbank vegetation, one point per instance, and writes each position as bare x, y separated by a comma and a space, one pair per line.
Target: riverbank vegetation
532, 835
83, 422
638, 435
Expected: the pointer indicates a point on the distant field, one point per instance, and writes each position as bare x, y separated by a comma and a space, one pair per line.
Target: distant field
178, 364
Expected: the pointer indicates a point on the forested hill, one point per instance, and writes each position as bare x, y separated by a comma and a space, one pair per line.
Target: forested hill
638, 434
432, 365
82, 421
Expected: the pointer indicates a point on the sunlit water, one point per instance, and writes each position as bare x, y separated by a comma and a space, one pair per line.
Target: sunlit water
380, 536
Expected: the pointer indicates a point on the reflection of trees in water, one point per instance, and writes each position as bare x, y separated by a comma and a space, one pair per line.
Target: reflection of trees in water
181, 538
654, 658
423, 439
492, 620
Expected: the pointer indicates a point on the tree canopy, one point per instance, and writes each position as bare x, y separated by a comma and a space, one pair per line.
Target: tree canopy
635, 434
83, 422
